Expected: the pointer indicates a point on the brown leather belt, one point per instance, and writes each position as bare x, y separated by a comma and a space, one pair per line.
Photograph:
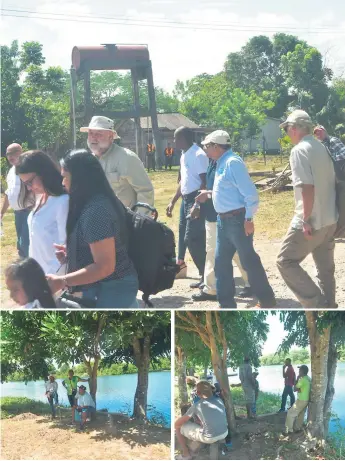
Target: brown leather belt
228, 214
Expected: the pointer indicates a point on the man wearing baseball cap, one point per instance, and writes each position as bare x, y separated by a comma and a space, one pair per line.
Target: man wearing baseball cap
295, 415
334, 145
123, 168
235, 200
84, 405
314, 223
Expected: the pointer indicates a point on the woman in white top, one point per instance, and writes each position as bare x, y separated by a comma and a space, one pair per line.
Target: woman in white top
47, 220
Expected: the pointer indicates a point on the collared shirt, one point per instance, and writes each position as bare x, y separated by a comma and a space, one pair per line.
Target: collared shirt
127, 176
233, 188
85, 400
335, 147
311, 165
304, 385
290, 376
13, 188
51, 386
194, 162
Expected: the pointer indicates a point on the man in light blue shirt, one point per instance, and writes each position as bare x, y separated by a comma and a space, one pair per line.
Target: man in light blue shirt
235, 200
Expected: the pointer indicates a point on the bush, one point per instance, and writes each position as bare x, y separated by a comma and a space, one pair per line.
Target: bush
12, 406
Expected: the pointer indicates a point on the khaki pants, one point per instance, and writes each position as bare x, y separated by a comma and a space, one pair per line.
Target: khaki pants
295, 248
295, 416
209, 275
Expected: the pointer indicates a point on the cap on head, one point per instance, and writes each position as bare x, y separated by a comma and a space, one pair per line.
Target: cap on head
217, 137
98, 122
319, 128
82, 387
297, 117
304, 368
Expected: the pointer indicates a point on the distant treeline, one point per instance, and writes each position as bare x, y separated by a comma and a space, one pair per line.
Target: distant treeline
298, 356
163, 364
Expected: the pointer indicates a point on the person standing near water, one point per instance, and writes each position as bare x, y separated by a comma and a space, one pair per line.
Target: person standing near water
289, 376
52, 394
71, 384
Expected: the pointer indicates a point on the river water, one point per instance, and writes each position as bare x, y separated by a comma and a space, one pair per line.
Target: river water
270, 380
115, 393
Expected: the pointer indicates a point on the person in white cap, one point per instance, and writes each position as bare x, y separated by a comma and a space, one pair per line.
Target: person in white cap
123, 168
235, 200
314, 223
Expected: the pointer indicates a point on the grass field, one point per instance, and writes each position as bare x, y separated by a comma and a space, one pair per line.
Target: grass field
271, 222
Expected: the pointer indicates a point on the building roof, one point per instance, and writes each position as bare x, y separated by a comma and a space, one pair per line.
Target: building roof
169, 122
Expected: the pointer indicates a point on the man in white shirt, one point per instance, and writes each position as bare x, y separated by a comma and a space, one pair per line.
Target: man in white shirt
123, 168
194, 164
314, 223
84, 405
52, 393
12, 201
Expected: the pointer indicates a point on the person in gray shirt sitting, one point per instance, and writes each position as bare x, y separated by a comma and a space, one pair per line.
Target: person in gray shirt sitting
210, 412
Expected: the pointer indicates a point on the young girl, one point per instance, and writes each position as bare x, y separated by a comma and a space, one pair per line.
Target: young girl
28, 286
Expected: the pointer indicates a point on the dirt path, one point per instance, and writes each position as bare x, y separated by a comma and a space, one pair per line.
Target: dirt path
180, 295
28, 436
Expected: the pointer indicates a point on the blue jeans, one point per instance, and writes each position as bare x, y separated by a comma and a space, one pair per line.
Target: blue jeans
288, 391
53, 398
231, 238
182, 247
21, 223
114, 294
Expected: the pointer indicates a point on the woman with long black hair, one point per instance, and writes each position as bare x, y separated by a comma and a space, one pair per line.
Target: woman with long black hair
47, 220
99, 268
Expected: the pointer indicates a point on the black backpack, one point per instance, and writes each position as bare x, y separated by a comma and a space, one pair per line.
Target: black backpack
151, 247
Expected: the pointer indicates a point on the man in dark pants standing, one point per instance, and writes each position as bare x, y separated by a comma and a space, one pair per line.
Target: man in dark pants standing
194, 163
235, 200
289, 381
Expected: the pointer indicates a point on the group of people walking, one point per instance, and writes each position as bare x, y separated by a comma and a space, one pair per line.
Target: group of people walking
219, 202
70, 219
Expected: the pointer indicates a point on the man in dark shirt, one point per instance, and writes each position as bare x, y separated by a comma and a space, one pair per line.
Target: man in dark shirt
289, 381
334, 145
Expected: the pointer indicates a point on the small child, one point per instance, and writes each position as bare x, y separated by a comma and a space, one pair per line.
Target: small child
28, 285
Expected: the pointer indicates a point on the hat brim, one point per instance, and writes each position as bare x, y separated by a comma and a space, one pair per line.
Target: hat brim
85, 129
284, 124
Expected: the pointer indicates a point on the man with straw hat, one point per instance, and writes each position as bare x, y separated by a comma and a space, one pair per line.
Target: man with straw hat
123, 168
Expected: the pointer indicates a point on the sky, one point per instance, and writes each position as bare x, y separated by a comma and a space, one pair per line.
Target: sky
275, 335
196, 36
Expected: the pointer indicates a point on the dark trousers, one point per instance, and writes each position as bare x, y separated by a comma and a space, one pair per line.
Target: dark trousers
21, 223
195, 234
151, 163
168, 162
288, 391
231, 238
181, 233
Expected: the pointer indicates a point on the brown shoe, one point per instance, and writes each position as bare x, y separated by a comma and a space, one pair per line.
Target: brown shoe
182, 273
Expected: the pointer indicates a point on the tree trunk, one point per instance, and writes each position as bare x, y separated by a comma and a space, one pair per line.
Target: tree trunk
181, 375
220, 369
319, 347
331, 371
142, 362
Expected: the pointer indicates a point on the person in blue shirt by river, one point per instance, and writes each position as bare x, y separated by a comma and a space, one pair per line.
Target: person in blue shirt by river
235, 200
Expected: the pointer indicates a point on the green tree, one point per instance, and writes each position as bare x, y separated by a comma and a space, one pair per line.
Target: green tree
229, 337
324, 332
